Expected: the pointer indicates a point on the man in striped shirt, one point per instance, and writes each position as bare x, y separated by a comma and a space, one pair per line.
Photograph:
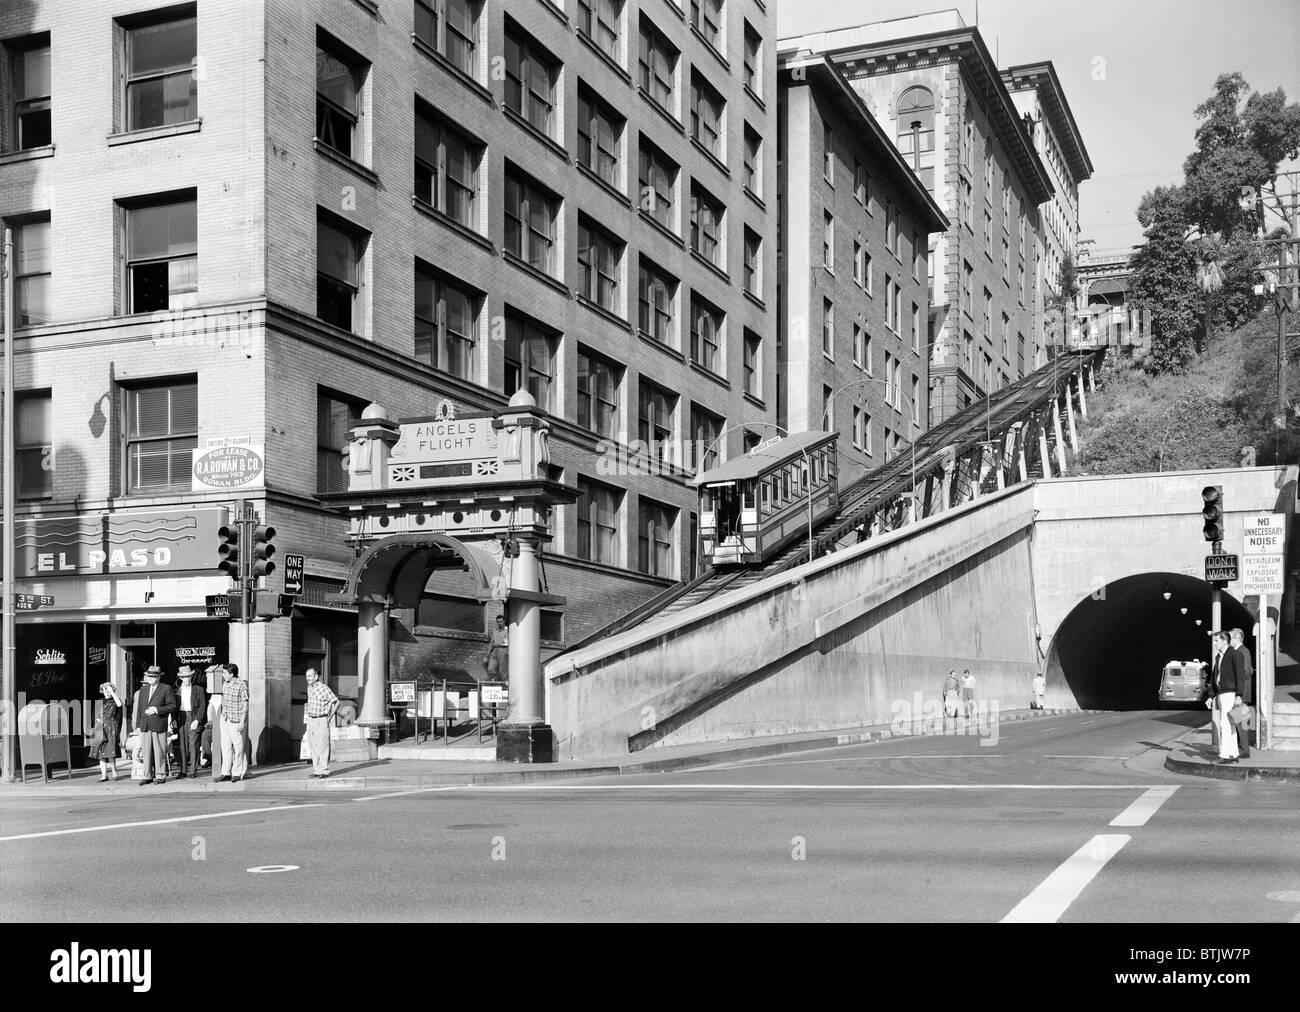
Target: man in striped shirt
234, 726
321, 704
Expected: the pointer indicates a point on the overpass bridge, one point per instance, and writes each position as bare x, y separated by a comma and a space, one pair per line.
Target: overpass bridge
1066, 576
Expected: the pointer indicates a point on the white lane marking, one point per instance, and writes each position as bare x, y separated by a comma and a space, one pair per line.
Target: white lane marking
852, 759
1082, 722
402, 794
1086, 757
541, 788
271, 869
1054, 894
1144, 807
155, 822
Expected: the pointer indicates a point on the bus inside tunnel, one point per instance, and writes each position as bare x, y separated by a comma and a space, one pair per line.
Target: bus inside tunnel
1111, 649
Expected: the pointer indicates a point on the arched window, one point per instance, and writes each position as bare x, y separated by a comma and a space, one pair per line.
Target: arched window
916, 132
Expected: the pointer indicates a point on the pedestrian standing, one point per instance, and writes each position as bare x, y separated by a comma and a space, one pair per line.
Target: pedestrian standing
110, 731
1219, 646
191, 717
968, 692
154, 703
321, 704
1040, 691
1230, 675
951, 689
234, 726
496, 660
1245, 688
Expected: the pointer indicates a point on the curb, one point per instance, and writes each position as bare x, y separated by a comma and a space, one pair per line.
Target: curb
1246, 774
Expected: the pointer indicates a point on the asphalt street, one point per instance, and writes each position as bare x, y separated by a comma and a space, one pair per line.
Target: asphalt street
1065, 818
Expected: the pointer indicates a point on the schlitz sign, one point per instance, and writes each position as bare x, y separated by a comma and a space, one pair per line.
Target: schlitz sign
164, 542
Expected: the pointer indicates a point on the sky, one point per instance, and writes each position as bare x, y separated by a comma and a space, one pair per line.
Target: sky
1133, 71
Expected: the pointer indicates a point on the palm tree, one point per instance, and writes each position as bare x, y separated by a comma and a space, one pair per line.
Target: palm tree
1209, 276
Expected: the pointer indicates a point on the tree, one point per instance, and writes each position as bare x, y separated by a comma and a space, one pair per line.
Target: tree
1209, 277
1163, 279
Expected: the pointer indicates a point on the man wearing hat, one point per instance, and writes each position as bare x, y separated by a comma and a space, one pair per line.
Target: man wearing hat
191, 716
153, 703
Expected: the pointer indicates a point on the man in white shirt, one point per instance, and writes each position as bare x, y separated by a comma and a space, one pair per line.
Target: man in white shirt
191, 716
1040, 690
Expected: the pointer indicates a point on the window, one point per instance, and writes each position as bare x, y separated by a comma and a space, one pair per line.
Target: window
752, 177
828, 241
446, 324
162, 428
530, 361
828, 328
916, 132
988, 235
600, 260
531, 214
1006, 203
33, 447
889, 378
967, 204
657, 176
706, 428
337, 257
753, 263
859, 265
889, 302
861, 429
706, 18
601, 20
706, 334
859, 344
451, 28
861, 184
1022, 283
338, 85
898, 310
988, 177
32, 273
916, 328
654, 538
655, 407
706, 115
1006, 337
988, 316
162, 255
828, 154
706, 225
446, 169
598, 508
968, 139
598, 393
531, 73
335, 415
891, 227
657, 294
898, 384
161, 85
916, 401
867, 356
753, 364
30, 67
827, 422
967, 287
753, 60
658, 63
600, 137
1020, 353
1006, 262
919, 256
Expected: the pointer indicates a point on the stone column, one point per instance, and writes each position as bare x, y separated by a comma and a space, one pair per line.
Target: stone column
1083, 403
1074, 432
372, 663
525, 736
1043, 453
1060, 438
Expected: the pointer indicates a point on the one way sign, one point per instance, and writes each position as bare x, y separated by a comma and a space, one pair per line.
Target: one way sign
293, 579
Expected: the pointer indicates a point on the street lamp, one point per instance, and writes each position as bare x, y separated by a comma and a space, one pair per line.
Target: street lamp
807, 467
913, 416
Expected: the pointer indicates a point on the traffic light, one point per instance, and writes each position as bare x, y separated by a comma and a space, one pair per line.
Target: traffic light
1213, 512
228, 550
263, 550
269, 605
285, 603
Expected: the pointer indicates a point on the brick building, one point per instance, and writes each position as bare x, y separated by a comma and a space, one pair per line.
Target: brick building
243, 221
854, 279
933, 86
1039, 98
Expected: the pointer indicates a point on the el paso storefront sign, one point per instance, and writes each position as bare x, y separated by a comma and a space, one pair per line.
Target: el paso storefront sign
102, 544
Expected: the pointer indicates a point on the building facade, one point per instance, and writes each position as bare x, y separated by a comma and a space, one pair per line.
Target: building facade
932, 85
240, 223
855, 230
1104, 316
1039, 98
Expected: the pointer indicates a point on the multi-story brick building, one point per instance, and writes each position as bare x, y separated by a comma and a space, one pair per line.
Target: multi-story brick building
933, 86
1039, 98
854, 289
244, 220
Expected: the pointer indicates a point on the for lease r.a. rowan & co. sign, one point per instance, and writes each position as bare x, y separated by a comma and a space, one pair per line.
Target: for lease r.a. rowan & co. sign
229, 465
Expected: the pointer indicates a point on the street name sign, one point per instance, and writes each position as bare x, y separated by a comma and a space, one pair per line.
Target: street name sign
293, 569
1221, 569
31, 602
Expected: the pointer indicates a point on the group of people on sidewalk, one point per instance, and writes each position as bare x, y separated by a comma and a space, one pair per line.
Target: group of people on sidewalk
159, 711
959, 694
1232, 679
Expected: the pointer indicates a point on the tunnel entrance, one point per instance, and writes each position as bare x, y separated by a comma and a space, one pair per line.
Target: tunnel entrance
1112, 647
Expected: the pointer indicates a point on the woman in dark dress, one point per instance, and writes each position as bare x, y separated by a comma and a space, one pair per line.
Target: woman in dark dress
110, 727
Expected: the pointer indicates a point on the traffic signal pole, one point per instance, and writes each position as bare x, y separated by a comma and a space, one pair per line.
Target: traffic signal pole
10, 653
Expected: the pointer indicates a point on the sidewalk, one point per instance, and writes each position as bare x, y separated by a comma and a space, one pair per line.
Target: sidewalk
1192, 754
414, 774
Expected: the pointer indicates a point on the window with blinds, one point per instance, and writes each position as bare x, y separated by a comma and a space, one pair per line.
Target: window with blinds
335, 415
161, 85
598, 508
162, 255
34, 460
32, 276
446, 324
162, 428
